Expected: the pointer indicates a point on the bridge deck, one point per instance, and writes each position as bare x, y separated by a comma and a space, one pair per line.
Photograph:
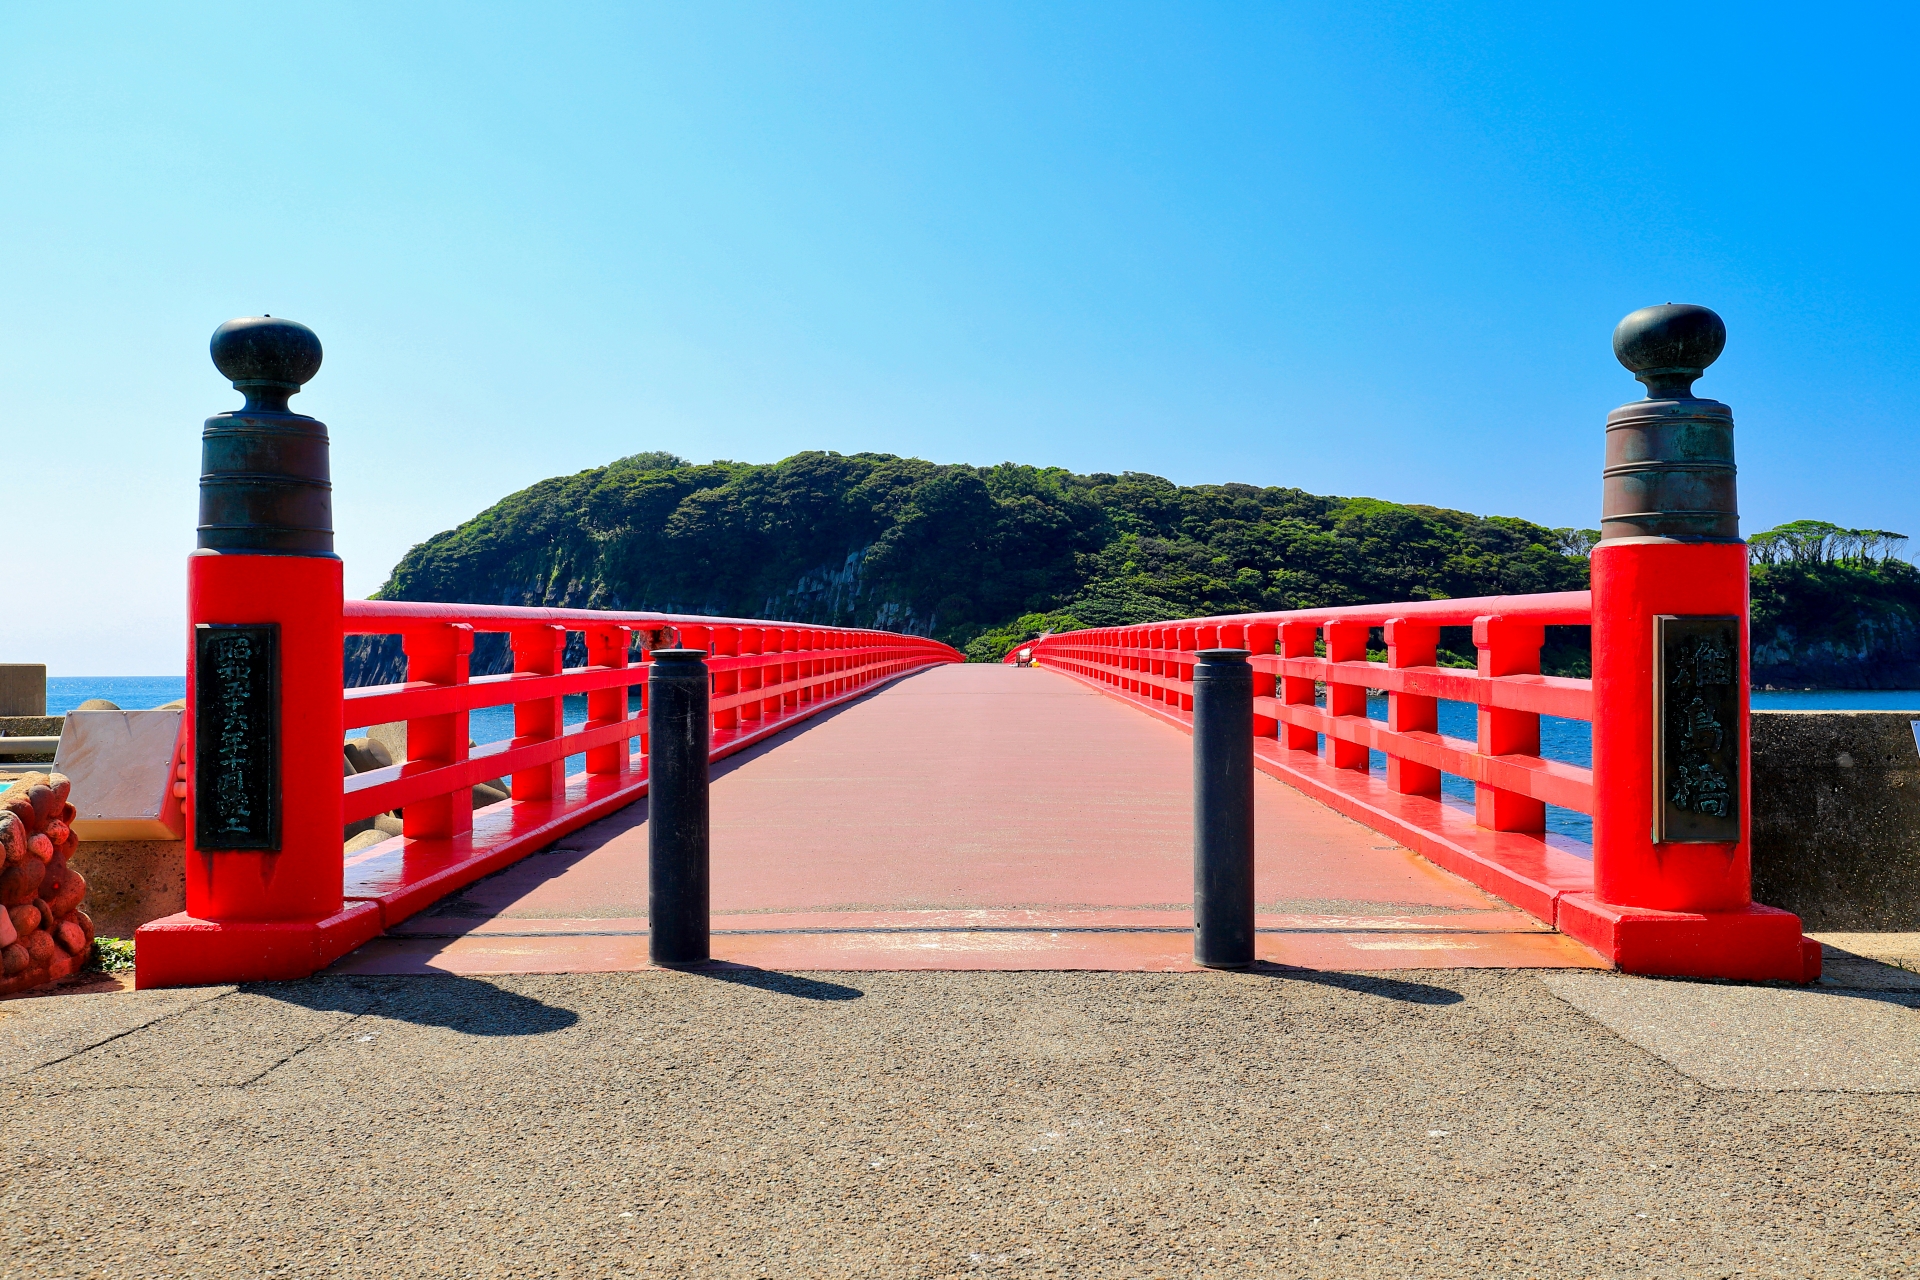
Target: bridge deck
972, 817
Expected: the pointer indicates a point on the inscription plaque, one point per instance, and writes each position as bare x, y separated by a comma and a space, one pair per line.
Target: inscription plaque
236, 736
1698, 737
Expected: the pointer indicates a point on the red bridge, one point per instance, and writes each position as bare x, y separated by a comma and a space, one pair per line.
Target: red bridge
877, 805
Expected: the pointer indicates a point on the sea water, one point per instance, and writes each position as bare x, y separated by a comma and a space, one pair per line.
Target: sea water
129, 693
1570, 741
137, 693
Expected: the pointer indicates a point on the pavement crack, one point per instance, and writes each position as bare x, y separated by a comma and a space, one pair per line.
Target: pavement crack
373, 1006
118, 1035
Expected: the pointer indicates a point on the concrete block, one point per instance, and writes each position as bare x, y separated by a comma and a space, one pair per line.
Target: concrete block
121, 764
1836, 817
392, 736
130, 882
23, 689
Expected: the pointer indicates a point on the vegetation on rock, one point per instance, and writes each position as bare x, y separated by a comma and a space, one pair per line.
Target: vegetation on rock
985, 558
980, 557
1833, 608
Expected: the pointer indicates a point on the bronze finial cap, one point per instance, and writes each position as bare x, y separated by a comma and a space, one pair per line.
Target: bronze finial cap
264, 482
1668, 346
266, 358
1670, 471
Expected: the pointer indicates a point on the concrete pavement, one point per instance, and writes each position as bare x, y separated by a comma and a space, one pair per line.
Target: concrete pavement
745, 1123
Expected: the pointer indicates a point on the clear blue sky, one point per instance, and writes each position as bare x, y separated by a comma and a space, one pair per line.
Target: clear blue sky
1358, 249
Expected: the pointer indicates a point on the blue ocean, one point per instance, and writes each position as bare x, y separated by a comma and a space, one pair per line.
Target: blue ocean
1567, 740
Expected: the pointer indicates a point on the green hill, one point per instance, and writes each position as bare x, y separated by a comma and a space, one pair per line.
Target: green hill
980, 557
985, 557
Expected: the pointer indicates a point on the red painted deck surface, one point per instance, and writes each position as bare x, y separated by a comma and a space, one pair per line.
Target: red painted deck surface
972, 817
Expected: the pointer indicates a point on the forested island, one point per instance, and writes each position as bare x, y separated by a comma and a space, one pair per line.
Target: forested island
985, 557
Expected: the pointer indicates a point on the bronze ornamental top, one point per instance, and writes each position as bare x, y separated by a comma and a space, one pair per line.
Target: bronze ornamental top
265, 487
1669, 471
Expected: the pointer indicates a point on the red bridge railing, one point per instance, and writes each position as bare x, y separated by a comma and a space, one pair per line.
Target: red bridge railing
1645, 920
766, 677
1502, 847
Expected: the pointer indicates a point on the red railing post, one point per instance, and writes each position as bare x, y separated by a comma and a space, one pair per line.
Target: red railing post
539, 650
750, 638
809, 665
789, 670
1164, 666
1508, 648
300, 876
609, 647
1259, 640
1296, 641
442, 655
1412, 644
773, 642
1346, 642
726, 643
1183, 640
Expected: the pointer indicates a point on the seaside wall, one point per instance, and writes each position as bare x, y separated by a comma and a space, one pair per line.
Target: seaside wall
1836, 817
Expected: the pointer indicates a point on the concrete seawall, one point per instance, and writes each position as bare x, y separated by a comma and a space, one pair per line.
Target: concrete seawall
1836, 817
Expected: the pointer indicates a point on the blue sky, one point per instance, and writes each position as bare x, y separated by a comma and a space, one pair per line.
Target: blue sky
1362, 250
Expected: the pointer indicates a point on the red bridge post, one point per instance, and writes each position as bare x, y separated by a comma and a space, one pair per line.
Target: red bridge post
539, 650
443, 655
1346, 642
1672, 872
1260, 639
1296, 641
1412, 644
1508, 647
264, 608
609, 647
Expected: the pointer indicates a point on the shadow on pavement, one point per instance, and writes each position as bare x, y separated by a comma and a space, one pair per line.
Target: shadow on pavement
1366, 984
437, 1000
785, 984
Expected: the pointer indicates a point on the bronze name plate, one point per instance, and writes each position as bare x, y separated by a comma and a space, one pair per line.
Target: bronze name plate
236, 736
1698, 737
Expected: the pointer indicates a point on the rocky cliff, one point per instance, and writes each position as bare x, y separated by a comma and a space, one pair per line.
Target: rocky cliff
1848, 625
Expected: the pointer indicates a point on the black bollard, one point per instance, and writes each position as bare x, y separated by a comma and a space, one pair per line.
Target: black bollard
1223, 809
677, 877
